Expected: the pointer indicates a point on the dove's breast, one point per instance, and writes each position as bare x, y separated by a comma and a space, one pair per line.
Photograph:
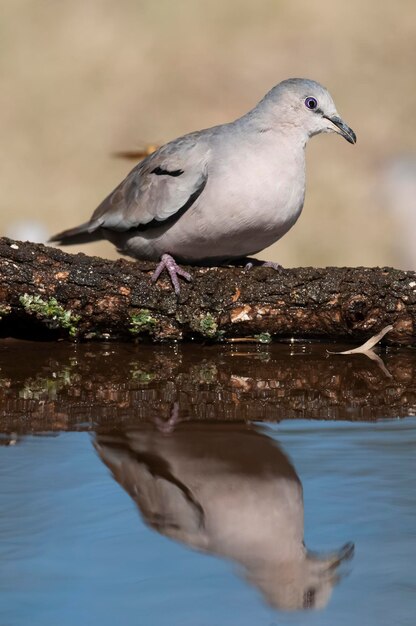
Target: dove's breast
252, 197
244, 208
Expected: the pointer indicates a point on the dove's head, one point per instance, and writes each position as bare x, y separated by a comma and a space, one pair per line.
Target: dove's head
302, 583
303, 106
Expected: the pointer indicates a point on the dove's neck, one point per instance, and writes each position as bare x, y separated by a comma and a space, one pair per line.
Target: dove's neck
259, 120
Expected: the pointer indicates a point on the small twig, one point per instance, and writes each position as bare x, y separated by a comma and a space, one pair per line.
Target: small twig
368, 345
367, 349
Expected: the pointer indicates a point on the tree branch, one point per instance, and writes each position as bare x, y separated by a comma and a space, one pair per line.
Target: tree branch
47, 293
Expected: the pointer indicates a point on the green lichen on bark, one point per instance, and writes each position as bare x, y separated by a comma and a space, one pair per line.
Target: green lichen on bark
51, 313
263, 337
142, 321
207, 326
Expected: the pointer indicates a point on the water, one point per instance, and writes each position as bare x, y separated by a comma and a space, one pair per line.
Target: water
115, 511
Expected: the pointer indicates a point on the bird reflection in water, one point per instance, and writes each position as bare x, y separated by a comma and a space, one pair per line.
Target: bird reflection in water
229, 490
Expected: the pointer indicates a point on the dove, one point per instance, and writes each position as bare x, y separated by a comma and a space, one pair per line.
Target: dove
229, 490
221, 194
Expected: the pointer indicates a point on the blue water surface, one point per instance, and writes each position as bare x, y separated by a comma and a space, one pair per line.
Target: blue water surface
75, 551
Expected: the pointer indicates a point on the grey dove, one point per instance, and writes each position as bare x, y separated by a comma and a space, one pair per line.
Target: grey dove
219, 194
226, 489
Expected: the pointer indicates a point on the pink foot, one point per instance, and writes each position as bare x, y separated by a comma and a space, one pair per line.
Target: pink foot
169, 264
272, 264
167, 427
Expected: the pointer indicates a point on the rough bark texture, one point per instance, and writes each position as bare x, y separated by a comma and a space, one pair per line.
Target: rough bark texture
45, 292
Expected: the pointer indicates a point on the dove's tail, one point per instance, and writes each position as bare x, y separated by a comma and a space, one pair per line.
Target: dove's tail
85, 233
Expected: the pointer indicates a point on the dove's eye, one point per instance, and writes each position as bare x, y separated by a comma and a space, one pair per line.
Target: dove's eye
311, 103
309, 598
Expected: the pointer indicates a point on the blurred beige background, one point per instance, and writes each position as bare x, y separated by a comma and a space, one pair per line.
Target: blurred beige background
83, 78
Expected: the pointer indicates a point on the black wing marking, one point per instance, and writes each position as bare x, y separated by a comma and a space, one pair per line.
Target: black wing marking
172, 219
162, 172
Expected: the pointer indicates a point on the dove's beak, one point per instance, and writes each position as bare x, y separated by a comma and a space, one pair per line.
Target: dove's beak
344, 554
343, 129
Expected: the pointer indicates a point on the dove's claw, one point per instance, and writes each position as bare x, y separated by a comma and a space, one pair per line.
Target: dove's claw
168, 426
272, 264
169, 264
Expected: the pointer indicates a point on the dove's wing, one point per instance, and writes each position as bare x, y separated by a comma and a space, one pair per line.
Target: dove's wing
159, 188
165, 502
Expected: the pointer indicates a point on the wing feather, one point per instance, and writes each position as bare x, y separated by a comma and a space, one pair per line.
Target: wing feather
157, 188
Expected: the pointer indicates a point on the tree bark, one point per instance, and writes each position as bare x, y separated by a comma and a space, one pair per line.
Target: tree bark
47, 293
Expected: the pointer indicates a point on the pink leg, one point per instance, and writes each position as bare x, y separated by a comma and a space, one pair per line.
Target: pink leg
169, 264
